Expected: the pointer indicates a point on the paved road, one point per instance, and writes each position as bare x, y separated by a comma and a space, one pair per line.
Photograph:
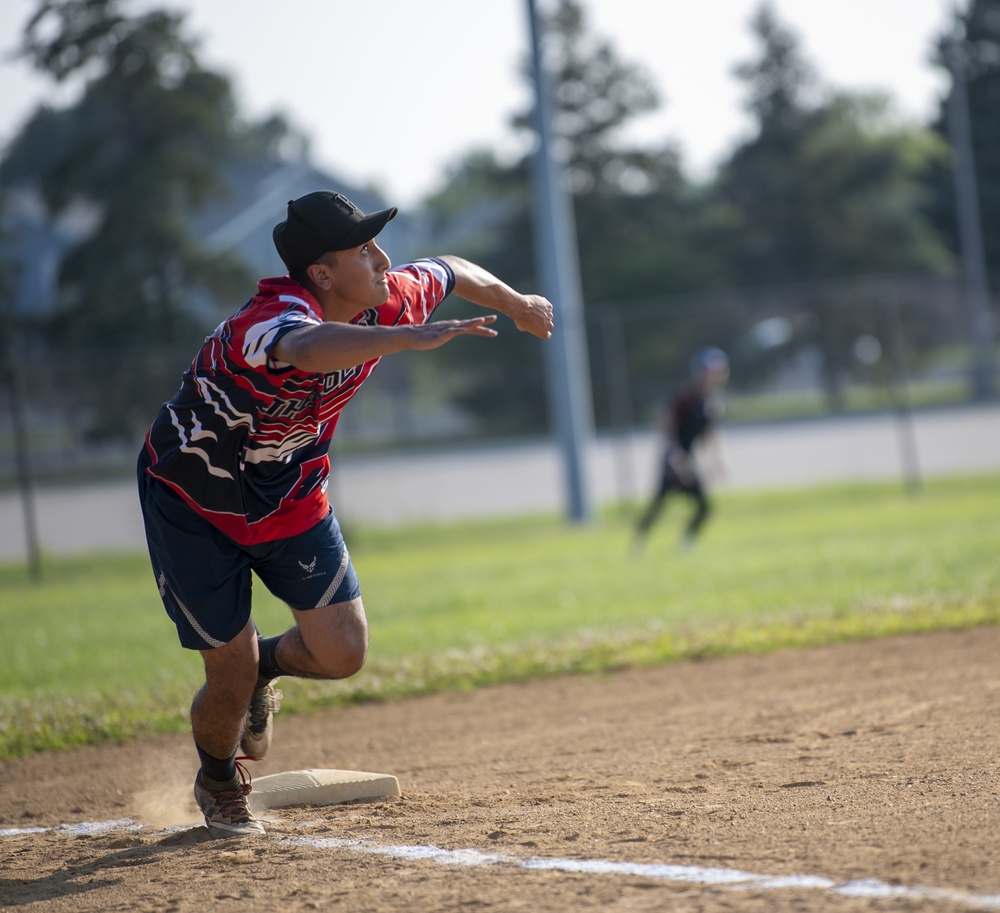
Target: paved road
511, 479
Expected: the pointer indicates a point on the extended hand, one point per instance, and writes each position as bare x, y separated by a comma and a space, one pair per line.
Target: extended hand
433, 335
536, 317
681, 464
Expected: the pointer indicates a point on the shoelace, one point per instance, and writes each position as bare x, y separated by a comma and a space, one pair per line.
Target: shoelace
231, 802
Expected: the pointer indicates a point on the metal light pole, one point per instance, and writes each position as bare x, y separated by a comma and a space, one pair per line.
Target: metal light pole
567, 366
970, 225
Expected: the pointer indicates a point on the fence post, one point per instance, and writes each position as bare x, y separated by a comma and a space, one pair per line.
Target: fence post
899, 386
22, 450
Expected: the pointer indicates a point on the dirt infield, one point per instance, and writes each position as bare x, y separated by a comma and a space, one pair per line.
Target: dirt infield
846, 778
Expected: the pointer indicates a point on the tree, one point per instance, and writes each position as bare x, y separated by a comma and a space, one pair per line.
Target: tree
829, 187
976, 37
638, 219
595, 94
143, 146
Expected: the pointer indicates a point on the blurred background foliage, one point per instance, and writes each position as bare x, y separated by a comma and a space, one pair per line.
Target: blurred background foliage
823, 253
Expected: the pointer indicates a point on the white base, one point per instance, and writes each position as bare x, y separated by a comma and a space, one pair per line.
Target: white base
319, 787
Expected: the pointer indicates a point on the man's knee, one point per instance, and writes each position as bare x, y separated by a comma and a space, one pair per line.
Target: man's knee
346, 654
336, 638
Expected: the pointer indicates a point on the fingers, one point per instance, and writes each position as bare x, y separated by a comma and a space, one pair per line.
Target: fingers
538, 321
481, 330
538, 318
432, 335
476, 326
540, 328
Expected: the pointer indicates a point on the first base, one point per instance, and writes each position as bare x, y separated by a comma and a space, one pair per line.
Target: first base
320, 787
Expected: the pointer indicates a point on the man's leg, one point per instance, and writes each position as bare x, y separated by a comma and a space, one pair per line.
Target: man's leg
205, 584
219, 709
702, 509
651, 514
218, 714
312, 573
329, 642
668, 480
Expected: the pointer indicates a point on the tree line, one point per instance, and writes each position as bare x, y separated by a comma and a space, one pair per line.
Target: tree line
829, 185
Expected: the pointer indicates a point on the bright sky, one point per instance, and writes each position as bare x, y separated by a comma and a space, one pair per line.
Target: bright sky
393, 92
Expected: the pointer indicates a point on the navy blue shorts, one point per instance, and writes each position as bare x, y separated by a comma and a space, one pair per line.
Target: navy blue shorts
204, 577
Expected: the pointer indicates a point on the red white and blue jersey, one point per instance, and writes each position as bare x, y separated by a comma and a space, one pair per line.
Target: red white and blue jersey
245, 439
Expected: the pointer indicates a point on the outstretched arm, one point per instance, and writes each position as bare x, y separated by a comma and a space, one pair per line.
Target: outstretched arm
530, 313
332, 346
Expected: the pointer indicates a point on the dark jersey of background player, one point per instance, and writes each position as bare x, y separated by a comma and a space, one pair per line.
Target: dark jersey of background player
692, 414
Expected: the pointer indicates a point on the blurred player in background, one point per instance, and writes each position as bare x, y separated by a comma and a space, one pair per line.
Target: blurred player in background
690, 421
233, 476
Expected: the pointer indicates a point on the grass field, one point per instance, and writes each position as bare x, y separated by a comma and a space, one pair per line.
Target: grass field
88, 654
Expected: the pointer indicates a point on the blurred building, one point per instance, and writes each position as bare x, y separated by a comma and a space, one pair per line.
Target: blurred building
259, 193
33, 242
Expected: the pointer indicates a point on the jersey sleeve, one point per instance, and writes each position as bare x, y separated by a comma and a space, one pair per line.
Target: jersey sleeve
263, 335
417, 289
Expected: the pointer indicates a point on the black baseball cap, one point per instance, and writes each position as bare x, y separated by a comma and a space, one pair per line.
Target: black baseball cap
324, 221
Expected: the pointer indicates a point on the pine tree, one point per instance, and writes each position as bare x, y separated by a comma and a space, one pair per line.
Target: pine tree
977, 55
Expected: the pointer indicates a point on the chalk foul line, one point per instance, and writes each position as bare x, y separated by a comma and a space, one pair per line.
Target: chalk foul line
683, 874
733, 879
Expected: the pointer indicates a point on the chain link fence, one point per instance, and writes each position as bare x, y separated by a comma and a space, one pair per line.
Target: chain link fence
795, 351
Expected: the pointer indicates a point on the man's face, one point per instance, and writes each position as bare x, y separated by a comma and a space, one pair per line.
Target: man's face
357, 276
712, 377
716, 377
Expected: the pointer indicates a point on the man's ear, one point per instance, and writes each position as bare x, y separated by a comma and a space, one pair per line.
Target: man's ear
319, 273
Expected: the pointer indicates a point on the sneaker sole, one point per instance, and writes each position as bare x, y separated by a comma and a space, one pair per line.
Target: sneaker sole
244, 830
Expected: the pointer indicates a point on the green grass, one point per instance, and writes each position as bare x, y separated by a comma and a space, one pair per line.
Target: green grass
857, 397
88, 654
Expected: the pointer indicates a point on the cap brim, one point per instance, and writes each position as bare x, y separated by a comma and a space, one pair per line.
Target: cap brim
367, 228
